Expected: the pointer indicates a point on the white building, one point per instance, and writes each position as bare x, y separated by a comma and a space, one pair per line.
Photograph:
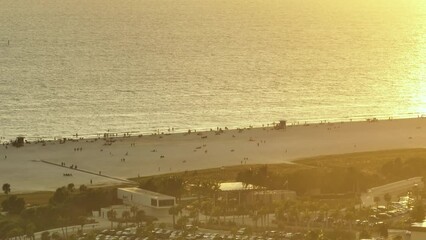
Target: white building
248, 193
235, 186
393, 189
153, 203
418, 231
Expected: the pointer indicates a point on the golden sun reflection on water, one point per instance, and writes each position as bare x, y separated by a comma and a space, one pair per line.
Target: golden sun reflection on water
421, 91
143, 65
420, 76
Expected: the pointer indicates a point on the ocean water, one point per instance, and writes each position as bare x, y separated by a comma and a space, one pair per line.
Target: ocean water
88, 66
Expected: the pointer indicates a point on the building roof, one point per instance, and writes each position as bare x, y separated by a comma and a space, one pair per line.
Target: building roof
136, 190
411, 182
235, 186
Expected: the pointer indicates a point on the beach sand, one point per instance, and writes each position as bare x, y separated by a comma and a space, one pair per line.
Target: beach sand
25, 171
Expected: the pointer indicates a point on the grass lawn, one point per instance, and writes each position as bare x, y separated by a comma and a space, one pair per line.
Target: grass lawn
366, 161
371, 162
225, 174
32, 199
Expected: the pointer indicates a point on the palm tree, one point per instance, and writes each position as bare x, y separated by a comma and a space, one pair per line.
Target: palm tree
174, 186
312, 235
45, 236
197, 209
194, 211
217, 212
324, 209
55, 236
240, 211
111, 214
29, 230
349, 217
387, 198
71, 187
15, 233
293, 212
377, 200
82, 221
140, 216
182, 221
63, 223
418, 212
206, 208
82, 188
263, 212
134, 210
215, 188
197, 188
125, 215
174, 211
6, 188
255, 218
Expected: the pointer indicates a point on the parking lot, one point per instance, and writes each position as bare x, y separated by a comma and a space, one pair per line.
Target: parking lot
162, 233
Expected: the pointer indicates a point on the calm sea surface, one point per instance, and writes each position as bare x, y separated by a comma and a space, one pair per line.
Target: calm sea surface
86, 66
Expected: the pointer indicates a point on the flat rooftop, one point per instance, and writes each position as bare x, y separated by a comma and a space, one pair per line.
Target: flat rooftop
235, 186
136, 190
411, 182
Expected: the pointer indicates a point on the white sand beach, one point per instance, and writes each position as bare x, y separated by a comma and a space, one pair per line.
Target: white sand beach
157, 154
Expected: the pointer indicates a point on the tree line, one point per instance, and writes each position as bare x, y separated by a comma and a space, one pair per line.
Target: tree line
333, 180
67, 206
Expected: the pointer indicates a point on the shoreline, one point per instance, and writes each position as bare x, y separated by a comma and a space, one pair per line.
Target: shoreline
132, 156
166, 131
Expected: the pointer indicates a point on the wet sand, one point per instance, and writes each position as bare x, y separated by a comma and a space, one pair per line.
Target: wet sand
157, 154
